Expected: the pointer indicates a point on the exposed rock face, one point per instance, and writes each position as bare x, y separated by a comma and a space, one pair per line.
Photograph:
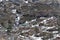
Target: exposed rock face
37, 20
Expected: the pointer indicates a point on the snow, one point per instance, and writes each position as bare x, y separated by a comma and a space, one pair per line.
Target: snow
56, 35
21, 36
35, 38
50, 27
33, 20
26, 1
25, 31
42, 17
50, 18
1, 0
14, 11
55, 31
0, 27
49, 39
26, 22
35, 25
18, 18
5, 30
43, 27
44, 21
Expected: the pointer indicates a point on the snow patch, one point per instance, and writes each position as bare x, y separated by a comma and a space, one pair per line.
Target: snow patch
14, 11
26, 1
1, 0
36, 38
